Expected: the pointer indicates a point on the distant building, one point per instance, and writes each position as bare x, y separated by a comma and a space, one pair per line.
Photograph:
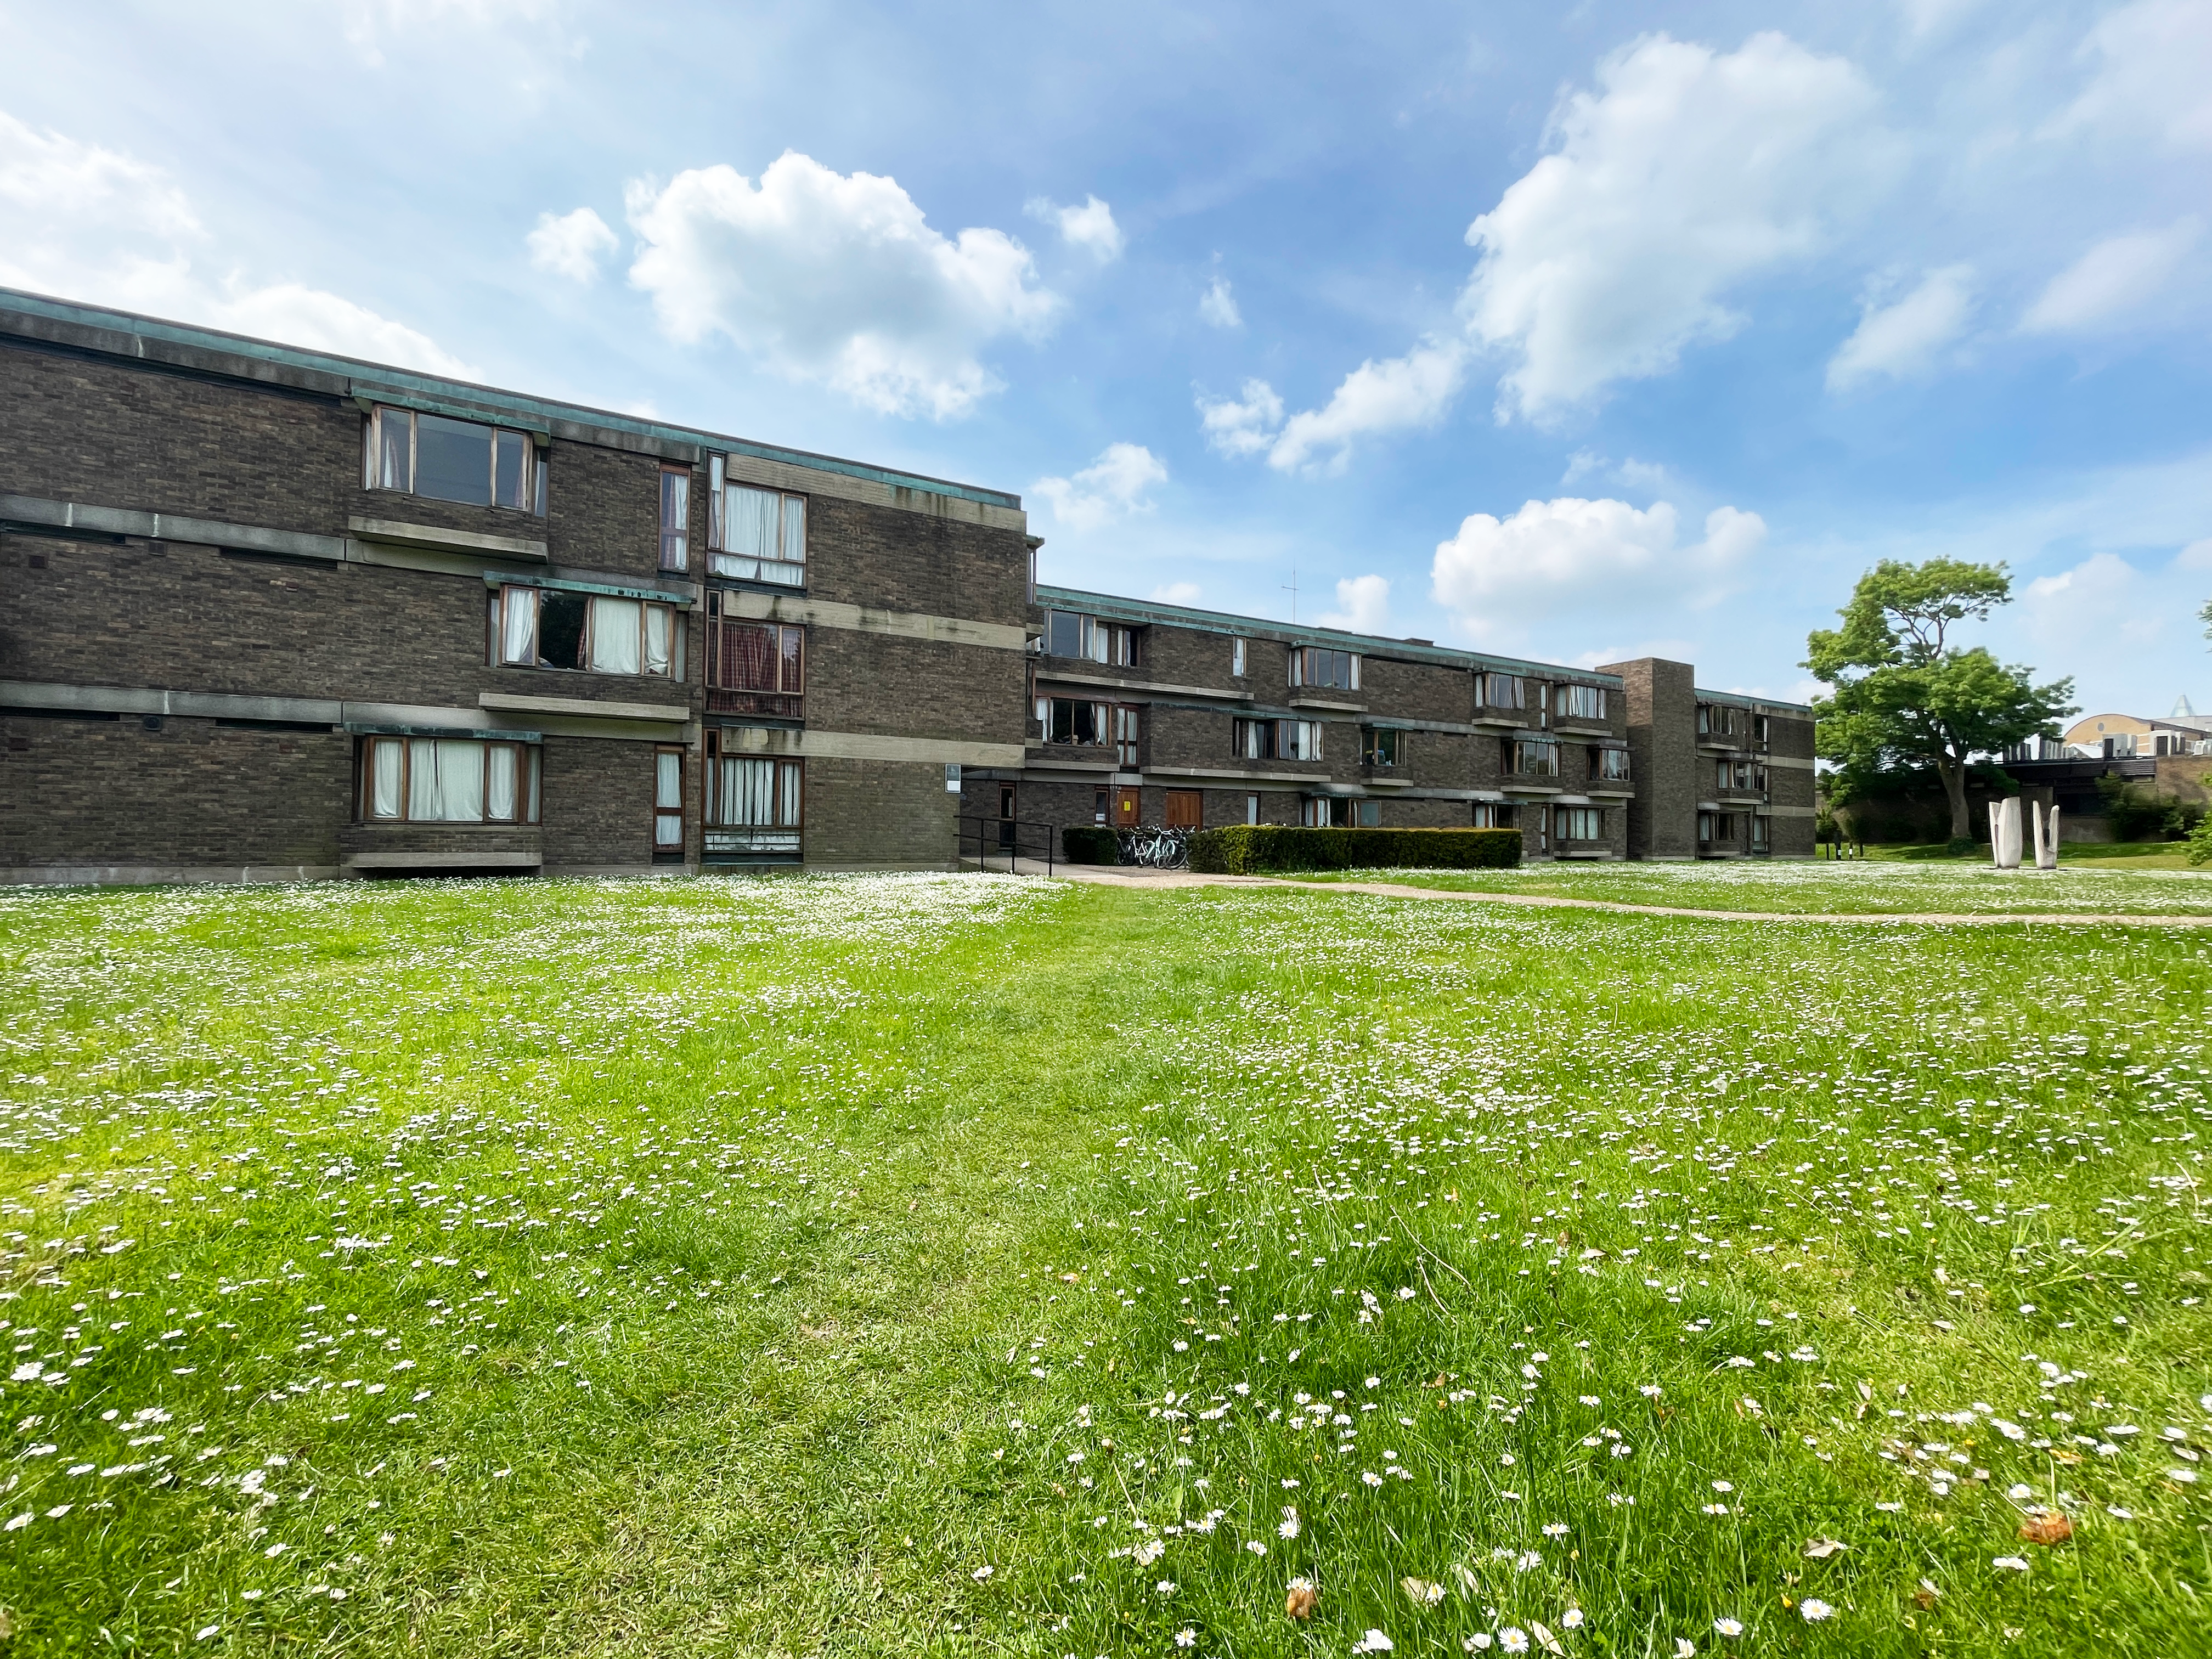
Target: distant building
2139, 736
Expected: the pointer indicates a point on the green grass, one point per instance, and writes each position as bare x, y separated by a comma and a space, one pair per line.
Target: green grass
946, 1265
2140, 855
1818, 887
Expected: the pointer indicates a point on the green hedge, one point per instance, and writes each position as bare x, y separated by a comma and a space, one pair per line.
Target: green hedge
1089, 843
1250, 848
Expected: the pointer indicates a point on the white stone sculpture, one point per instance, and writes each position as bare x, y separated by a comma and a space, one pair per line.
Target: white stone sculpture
2004, 832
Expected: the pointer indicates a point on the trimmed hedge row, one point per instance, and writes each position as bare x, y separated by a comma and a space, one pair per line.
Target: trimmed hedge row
1252, 848
1089, 843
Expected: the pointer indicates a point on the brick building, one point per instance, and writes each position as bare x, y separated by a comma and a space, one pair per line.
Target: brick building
268, 612
1148, 714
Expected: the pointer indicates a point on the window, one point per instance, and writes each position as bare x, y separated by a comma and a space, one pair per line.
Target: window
1382, 746
1759, 728
1612, 765
752, 667
1759, 831
449, 780
1185, 809
757, 535
1715, 827
1099, 805
1495, 816
451, 461
675, 518
1536, 757
1578, 824
1252, 739
1075, 720
1125, 735
754, 807
668, 802
1501, 690
559, 627
1315, 665
1370, 814
1276, 740
1236, 658
1251, 809
1714, 720
1580, 702
1069, 635
1327, 812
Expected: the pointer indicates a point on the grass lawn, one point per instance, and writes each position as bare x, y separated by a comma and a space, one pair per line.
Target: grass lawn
2138, 855
1869, 887
975, 1264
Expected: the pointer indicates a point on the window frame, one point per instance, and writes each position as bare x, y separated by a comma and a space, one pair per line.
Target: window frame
528, 764
1101, 722
1569, 822
1239, 659
786, 790
1605, 771
1494, 681
1301, 666
731, 564
531, 486
667, 811
1523, 747
788, 648
1568, 694
676, 481
1383, 746
509, 597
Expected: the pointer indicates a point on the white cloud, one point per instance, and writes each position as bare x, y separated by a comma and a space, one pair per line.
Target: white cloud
1392, 395
571, 244
834, 279
1630, 474
1090, 226
1591, 556
1901, 340
523, 28
1111, 487
1176, 594
2197, 556
2153, 73
1363, 606
1218, 306
1243, 428
1688, 174
2102, 596
84, 222
1926, 17
2116, 276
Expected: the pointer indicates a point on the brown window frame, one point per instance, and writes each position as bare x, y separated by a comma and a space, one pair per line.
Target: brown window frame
665, 812
675, 518
785, 651
528, 778
376, 474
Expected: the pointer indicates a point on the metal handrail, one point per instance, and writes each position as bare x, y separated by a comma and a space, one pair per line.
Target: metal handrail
1014, 850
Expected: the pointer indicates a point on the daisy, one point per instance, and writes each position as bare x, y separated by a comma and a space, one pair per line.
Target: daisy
1815, 1609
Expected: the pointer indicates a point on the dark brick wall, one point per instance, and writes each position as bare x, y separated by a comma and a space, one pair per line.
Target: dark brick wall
865, 813
176, 792
597, 804
884, 684
861, 554
1661, 730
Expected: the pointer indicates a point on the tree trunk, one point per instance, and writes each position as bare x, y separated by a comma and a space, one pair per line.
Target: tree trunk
1953, 774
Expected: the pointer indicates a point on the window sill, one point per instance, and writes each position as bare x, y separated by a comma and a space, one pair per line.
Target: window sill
439, 539
586, 708
1583, 732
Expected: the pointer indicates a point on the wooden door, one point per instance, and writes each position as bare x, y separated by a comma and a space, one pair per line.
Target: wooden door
1127, 805
1185, 809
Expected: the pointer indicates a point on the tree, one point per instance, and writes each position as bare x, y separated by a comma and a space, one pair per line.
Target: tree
1905, 696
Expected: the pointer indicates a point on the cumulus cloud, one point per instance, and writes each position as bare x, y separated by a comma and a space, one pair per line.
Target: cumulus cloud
1395, 395
834, 279
2197, 556
82, 221
1363, 606
1218, 305
2117, 276
1687, 173
1592, 555
1176, 594
1090, 226
571, 244
524, 29
1901, 340
2102, 596
1242, 426
1112, 487
2153, 74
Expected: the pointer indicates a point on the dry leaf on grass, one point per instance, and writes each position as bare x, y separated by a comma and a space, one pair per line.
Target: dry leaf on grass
2046, 1527
1422, 1592
1299, 1603
1819, 1549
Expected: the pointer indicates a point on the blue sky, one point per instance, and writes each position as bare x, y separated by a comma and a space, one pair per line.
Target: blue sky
1583, 332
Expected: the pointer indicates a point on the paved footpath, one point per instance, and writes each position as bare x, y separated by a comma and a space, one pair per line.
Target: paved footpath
1105, 877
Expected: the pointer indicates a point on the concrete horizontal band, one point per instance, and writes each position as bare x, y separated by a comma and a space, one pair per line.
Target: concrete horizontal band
513, 702
682, 598
866, 746
1215, 774
446, 859
867, 619
1065, 676
425, 720
1790, 762
443, 540
168, 526
873, 492
491, 733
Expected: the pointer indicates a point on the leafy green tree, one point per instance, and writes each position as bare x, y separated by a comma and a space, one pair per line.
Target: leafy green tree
1905, 697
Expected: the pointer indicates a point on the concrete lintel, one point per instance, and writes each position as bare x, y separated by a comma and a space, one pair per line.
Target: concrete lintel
870, 619
867, 746
584, 707
169, 526
1063, 677
443, 540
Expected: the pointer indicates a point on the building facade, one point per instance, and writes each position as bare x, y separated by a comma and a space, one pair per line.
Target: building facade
271, 613
1144, 714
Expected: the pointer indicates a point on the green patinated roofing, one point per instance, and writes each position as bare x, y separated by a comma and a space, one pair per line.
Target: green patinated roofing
366, 376
1368, 645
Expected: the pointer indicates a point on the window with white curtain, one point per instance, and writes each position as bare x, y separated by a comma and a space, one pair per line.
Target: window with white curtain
668, 801
557, 628
754, 806
754, 534
426, 779
451, 461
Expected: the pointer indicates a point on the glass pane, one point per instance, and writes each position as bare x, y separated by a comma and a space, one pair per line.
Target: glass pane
460, 781
790, 575
499, 784
422, 779
675, 520
511, 482
530, 758
791, 670
667, 779
795, 529
657, 620
559, 629
452, 460
788, 806
387, 761
1061, 634
393, 470
728, 564
715, 504
615, 629
752, 522
668, 830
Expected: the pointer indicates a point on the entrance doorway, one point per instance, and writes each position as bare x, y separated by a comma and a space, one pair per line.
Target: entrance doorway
1128, 804
1185, 809
1006, 817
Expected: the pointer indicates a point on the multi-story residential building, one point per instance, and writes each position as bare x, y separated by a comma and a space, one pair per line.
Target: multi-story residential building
270, 612
1144, 713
